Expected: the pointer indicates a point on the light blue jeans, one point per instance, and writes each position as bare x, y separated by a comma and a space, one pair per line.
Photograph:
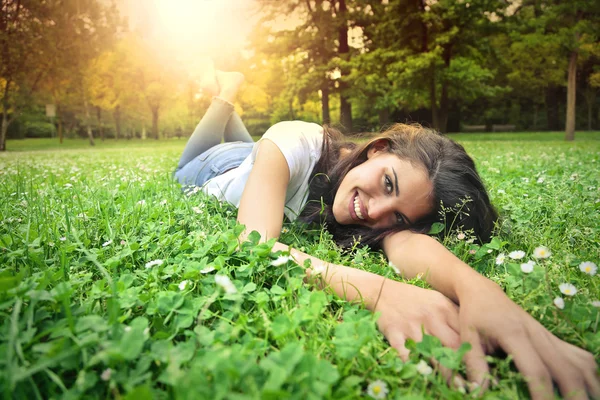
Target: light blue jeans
204, 156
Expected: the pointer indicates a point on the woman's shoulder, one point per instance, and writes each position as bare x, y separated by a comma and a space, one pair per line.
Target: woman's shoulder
300, 132
295, 128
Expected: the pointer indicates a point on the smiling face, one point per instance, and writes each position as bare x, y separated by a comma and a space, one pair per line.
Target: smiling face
383, 191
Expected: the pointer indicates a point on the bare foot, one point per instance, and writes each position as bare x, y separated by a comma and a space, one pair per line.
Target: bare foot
208, 82
230, 83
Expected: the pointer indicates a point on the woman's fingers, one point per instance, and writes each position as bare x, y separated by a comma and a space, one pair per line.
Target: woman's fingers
398, 341
567, 372
531, 366
477, 366
589, 367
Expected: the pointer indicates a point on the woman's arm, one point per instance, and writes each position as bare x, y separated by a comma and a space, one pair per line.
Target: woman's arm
490, 320
404, 308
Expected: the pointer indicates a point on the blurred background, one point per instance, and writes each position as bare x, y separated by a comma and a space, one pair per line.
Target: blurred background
122, 69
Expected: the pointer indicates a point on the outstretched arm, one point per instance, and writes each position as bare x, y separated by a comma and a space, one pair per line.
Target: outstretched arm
490, 320
404, 308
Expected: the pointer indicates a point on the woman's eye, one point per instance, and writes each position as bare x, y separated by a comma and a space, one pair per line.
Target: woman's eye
388, 184
399, 218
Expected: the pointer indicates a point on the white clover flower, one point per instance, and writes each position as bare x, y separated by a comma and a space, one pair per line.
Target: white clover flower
106, 374
151, 264
500, 259
559, 303
68, 185
527, 267
141, 202
588, 267
62, 239
163, 202
123, 243
396, 269
51, 244
281, 260
540, 180
182, 285
208, 269
568, 289
501, 191
596, 303
517, 254
318, 269
460, 236
225, 283
423, 368
377, 389
541, 252
108, 243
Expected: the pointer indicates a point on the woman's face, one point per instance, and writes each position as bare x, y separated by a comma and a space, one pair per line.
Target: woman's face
382, 192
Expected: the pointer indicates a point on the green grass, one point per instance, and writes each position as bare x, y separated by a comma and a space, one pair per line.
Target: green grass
82, 316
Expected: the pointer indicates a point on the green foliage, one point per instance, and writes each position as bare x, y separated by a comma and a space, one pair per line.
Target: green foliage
35, 129
83, 316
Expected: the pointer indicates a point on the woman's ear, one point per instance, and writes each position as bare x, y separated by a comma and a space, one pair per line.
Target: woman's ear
378, 146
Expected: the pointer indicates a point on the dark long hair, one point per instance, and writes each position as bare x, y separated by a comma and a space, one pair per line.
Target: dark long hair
459, 198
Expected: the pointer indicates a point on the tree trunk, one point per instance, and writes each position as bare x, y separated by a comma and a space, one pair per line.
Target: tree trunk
99, 116
88, 125
384, 117
59, 124
325, 103
571, 93
443, 112
118, 122
3, 130
155, 122
344, 52
435, 120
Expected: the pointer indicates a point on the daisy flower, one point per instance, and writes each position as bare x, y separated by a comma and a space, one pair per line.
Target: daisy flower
151, 264
225, 283
423, 368
281, 260
527, 267
396, 269
559, 303
568, 289
500, 259
208, 269
106, 374
541, 252
377, 389
517, 254
588, 267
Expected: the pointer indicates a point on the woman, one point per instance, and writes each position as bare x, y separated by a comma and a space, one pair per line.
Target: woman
383, 193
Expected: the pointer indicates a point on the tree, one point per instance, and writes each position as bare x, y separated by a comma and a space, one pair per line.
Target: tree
311, 52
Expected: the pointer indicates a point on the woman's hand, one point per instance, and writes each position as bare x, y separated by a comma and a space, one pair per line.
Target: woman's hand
489, 320
407, 311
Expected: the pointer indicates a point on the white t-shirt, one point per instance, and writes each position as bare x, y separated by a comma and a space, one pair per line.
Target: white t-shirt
300, 142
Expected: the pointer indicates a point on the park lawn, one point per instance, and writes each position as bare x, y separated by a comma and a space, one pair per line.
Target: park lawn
107, 278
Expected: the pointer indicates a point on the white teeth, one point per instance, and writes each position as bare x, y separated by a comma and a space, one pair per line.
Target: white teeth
357, 208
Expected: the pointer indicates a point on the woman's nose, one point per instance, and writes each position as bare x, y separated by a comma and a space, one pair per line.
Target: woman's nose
379, 209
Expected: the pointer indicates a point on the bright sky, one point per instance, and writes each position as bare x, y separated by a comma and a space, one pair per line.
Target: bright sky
189, 29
